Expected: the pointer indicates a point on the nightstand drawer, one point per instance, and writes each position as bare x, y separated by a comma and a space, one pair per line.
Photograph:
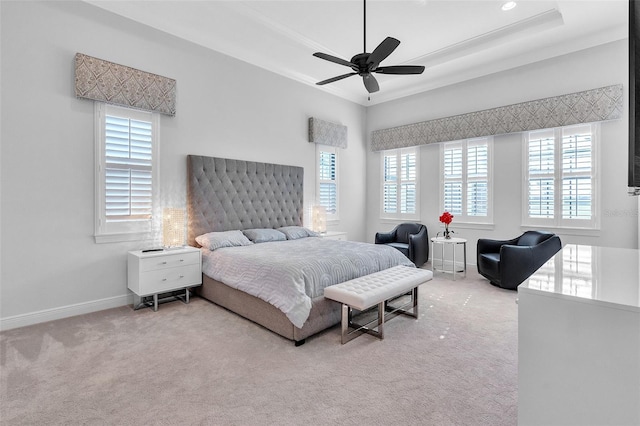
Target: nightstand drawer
165, 260
167, 279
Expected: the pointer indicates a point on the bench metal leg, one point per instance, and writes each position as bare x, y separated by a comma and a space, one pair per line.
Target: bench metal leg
357, 329
381, 319
350, 330
402, 310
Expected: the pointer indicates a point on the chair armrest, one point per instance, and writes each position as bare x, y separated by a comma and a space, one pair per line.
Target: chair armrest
419, 246
385, 237
545, 251
517, 263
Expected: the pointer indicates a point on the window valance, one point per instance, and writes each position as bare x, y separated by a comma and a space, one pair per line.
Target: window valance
327, 133
105, 81
589, 106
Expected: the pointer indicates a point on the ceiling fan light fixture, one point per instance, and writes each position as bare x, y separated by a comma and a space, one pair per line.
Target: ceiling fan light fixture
508, 5
363, 64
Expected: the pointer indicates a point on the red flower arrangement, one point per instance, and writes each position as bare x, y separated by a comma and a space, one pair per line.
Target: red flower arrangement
446, 218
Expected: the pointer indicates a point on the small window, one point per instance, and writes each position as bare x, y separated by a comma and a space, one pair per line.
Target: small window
327, 180
560, 179
400, 171
126, 173
466, 184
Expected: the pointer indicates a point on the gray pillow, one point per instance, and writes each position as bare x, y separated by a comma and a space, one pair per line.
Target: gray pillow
264, 235
295, 232
216, 240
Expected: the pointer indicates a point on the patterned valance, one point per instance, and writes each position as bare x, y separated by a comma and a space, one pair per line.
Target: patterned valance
116, 84
589, 106
327, 133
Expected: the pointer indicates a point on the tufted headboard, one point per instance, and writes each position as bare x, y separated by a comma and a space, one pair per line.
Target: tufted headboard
224, 194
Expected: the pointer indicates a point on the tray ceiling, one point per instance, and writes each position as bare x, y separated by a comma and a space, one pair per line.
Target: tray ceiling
454, 40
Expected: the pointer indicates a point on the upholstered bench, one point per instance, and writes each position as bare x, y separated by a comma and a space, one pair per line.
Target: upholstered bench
377, 289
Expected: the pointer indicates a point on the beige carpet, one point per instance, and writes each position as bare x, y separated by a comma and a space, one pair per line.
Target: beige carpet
200, 364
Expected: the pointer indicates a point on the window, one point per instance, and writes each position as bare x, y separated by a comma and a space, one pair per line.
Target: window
126, 172
327, 180
466, 174
400, 183
560, 179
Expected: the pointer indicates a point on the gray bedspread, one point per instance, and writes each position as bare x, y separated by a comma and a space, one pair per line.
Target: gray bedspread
288, 274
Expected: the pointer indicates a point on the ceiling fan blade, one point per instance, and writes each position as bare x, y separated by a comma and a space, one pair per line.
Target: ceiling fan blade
334, 59
370, 83
401, 69
383, 50
331, 80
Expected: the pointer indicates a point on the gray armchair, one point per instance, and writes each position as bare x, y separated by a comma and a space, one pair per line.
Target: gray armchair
507, 263
412, 239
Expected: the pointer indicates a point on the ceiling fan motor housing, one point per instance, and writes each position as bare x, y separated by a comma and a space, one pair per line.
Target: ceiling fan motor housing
360, 63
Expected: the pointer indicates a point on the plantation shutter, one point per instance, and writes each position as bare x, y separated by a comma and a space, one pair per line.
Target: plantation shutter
561, 176
576, 173
408, 183
453, 178
128, 168
390, 203
541, 174
465, 180
328, 188
477, 178
400, 186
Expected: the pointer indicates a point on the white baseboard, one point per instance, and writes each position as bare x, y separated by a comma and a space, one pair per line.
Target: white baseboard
64, 312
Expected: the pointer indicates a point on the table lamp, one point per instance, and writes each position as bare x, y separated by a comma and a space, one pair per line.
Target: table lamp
173, 223
319, 219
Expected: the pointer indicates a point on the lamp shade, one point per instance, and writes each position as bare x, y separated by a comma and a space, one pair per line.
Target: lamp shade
173, 224
319, 219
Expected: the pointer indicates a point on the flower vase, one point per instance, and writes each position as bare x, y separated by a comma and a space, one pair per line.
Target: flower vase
447, 234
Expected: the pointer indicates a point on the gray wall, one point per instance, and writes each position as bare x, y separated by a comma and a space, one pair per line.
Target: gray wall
51, 265
596, 67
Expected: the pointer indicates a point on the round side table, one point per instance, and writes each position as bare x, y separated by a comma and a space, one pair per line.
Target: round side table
454, 242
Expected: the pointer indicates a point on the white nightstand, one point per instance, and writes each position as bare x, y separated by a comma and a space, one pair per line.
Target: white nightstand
155, 272
335, 235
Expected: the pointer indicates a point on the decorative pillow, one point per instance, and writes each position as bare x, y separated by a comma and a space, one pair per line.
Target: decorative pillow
295, 232
264, 235
216, 240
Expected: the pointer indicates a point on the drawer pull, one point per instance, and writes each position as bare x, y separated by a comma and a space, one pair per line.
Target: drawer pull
163, 263
181, 276
181, 260
164, 279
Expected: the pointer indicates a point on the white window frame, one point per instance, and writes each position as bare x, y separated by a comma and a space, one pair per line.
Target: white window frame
335, 151
126, 230
464, 218
557, 221
398, 215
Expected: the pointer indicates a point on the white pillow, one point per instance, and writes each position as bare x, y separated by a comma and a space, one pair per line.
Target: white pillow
216, 240
295, 232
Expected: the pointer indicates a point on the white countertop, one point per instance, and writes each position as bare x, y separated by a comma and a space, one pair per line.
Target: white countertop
590, 274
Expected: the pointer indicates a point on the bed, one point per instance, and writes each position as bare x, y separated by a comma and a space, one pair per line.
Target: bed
277, 284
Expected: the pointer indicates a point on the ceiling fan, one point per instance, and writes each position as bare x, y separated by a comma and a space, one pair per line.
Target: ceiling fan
364, 64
